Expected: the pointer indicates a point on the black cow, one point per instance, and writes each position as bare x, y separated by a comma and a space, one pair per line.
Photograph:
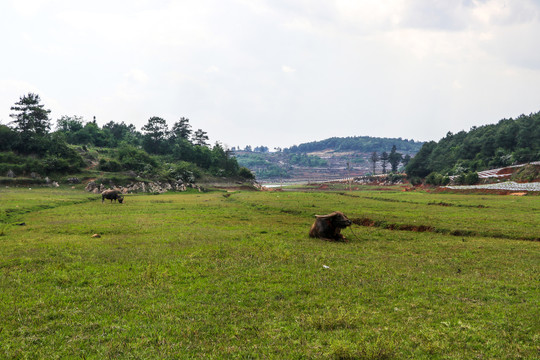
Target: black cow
328, 227
112, 195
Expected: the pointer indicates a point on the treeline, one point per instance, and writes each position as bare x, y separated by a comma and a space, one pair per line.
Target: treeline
365, 144
29, 145
394, 159
490, 146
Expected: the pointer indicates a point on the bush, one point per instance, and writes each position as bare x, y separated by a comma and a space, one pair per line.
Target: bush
135, 159
394, 178
415, 180
21, 165
471, 178
110, 165
246, 173
527, 173
433, 179
187, 172
437, 179
468, 178
445, 180
54, 164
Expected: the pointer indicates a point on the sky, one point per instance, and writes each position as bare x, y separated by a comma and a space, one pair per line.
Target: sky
276, 72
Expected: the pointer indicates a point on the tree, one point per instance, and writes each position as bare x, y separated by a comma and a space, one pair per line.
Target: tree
406, 159
155, 135
200, 138
91, 134
30, 117
118, 132
69, 123
71, 126
394, 158
419, 165
181, 129
374, 159
7, 138
262, 149
384, 159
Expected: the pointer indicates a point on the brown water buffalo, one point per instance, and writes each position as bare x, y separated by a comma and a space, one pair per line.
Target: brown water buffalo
112, 195
328, 227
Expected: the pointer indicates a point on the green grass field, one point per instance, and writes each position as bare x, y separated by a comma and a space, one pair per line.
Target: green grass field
235, 275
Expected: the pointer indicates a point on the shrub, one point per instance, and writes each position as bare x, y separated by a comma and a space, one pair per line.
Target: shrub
394, 178
433, 179
468, 178
527, 173
471, 178
110, 165
246, 173
135, 159
415, 180
187, 172
437, 179
54, 164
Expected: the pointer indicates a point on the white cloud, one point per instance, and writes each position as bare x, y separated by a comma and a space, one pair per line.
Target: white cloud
137, 75
212, 69
287, 69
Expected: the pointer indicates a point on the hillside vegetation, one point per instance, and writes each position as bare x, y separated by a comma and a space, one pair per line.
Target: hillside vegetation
362, 144
28, 147
333, 158
508, 142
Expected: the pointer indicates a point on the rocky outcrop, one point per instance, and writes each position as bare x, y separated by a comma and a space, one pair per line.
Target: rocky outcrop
140, 186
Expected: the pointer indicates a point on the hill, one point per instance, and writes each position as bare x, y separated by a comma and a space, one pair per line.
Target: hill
510, 141
359, 144
113, 151
333, 158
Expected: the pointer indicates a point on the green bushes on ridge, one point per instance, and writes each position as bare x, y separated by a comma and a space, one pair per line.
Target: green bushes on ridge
28, 146
490, 146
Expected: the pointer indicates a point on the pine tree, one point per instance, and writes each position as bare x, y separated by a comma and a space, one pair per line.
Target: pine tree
181, 129
200, 138
394, 158
374, 159
31, 118
384, 159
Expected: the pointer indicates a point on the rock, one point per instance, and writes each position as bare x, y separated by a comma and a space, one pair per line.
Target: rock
91, 186
152, 187
10, 174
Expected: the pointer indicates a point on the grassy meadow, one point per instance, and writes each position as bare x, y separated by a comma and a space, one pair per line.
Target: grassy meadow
235, 275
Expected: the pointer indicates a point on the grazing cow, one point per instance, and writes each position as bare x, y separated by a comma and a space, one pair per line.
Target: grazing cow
112, 195
328, 227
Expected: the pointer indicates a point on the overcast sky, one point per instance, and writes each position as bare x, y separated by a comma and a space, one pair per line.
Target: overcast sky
276, 72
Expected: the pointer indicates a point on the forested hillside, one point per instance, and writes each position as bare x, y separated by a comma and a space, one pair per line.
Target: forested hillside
28, 146
508, 142
362, 144
334, 158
